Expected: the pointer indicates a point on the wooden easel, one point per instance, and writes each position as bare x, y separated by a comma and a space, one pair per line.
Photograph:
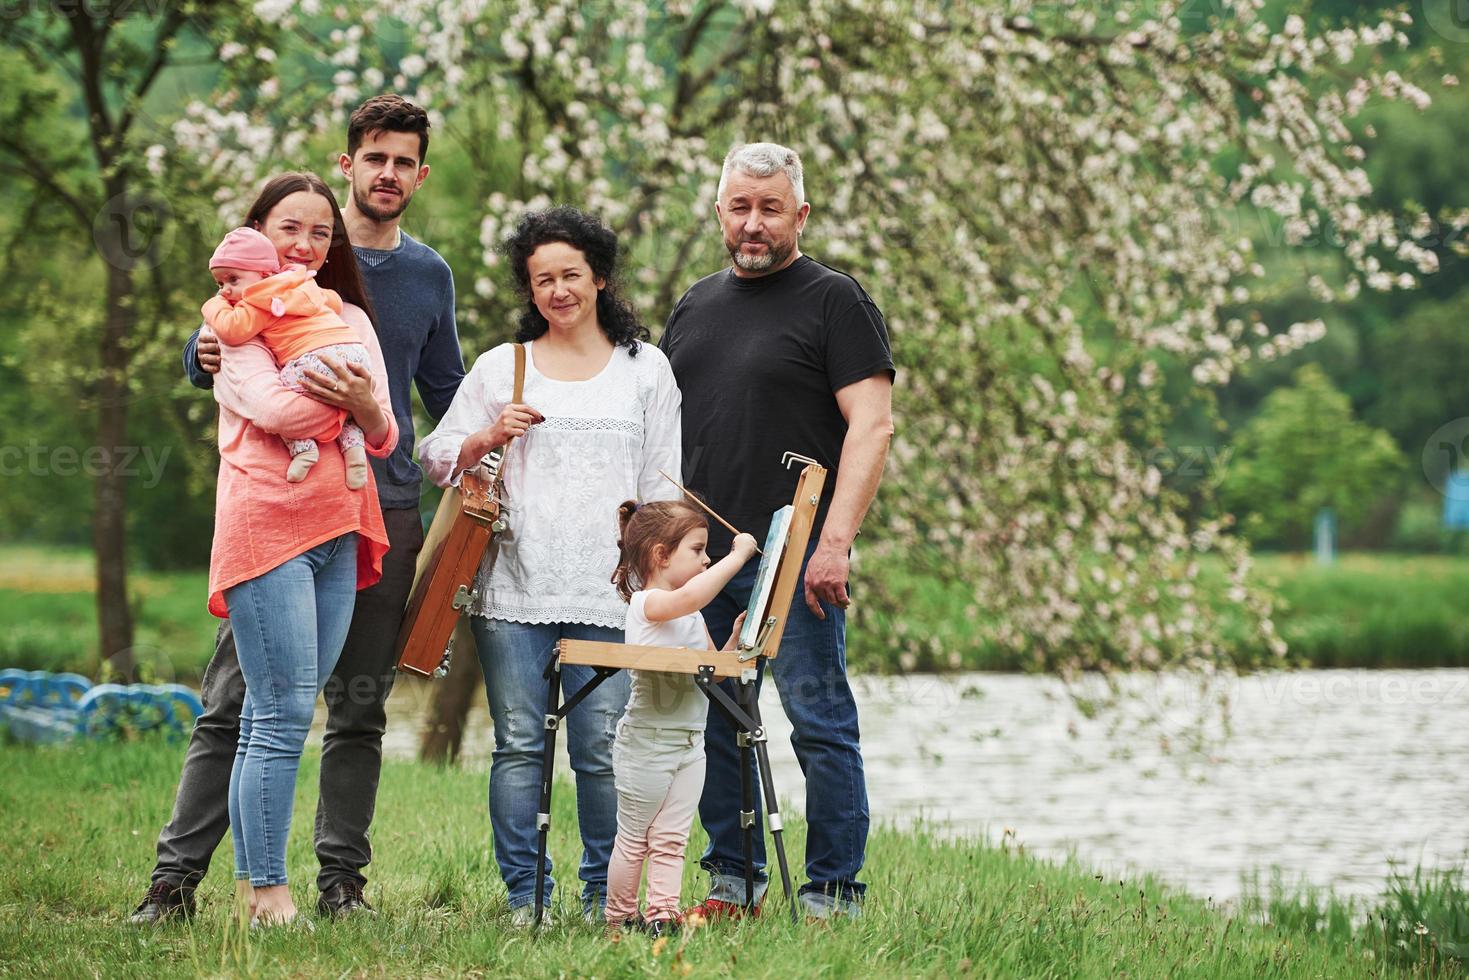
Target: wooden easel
708, 667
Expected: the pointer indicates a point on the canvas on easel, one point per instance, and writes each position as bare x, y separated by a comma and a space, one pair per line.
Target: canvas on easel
775, 542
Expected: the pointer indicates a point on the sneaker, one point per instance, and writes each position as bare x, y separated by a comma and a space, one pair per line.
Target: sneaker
664, 927
712, 909
616, 930
164, 901
823, 908
524, 916
343, 899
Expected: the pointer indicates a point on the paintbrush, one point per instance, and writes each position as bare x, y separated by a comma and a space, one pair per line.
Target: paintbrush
706, 508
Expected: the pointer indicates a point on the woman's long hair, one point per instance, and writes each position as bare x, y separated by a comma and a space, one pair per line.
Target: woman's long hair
340, 272
594, 240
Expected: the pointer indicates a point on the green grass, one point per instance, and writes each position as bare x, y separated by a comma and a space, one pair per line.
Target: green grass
1365, 611
48, 616
1421, 920
77, 850
1372, 610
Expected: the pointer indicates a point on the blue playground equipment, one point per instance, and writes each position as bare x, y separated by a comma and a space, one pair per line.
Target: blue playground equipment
39, 706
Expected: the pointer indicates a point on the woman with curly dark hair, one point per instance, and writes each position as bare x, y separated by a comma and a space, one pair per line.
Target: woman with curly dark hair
598, 419
598, 246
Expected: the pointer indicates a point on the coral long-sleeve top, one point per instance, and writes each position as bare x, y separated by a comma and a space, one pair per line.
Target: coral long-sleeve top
288, 310
260, 520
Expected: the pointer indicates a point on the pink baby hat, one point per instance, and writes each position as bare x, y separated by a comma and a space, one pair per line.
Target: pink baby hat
246, 248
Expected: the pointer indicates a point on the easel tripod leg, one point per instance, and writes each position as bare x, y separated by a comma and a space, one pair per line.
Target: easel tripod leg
747, 793
772, 807
548, 760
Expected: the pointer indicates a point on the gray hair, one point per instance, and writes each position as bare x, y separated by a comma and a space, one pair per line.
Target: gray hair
764, 160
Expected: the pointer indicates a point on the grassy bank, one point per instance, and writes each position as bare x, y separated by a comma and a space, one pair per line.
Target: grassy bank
77, 851
1365, 611
1422, 918
1372, 610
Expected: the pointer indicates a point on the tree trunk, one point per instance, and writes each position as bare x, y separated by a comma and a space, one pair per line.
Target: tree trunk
109, 518
443, 727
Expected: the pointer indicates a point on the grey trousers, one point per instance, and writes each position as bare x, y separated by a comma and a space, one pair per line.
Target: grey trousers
352, 749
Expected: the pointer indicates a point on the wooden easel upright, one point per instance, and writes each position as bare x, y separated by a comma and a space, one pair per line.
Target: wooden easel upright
709, 667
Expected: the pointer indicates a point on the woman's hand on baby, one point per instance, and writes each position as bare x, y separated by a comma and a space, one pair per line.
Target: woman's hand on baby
744, 545
731, 644
349, 385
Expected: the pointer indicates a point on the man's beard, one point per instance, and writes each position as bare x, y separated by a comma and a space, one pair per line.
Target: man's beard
774, 255
365, 205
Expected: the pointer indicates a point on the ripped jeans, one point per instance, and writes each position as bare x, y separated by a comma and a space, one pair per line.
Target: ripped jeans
512, 656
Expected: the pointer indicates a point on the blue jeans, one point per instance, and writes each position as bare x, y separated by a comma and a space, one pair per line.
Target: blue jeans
289, 626
513, 656
811, 677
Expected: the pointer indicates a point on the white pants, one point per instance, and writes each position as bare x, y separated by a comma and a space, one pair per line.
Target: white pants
659, 774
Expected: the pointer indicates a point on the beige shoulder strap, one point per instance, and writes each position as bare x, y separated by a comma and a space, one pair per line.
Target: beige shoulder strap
518, 394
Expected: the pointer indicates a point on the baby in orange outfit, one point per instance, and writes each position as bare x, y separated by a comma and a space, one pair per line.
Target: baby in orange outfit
298, 321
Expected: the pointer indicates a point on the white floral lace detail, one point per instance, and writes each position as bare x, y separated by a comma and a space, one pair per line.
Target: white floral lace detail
519, 612
612, 425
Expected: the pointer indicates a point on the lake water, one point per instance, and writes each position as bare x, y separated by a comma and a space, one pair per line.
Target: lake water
1326, 775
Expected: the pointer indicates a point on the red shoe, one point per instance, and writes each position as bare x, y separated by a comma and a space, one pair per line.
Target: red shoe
712, 908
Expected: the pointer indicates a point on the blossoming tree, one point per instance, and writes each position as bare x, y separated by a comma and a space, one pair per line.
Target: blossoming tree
1043, 202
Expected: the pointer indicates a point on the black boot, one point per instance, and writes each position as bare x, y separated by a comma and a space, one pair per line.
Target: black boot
164, 901
343, 899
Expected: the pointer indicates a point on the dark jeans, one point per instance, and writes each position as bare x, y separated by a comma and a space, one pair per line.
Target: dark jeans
811, 676
352, 750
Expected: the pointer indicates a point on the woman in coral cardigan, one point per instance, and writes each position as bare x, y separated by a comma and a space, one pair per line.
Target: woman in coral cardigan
288, 558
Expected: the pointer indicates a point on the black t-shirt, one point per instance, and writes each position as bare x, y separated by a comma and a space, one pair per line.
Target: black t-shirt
758, 361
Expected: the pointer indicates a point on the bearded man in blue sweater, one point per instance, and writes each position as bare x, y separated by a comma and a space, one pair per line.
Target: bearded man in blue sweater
412, 292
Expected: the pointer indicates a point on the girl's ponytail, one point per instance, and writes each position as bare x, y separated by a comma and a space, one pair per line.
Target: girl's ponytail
622, 573
641, 530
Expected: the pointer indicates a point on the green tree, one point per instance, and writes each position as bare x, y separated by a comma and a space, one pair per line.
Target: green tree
76, 129
1035, 195
1302, 452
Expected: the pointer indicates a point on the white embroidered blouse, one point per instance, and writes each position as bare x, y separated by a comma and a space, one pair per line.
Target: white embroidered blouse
603, 441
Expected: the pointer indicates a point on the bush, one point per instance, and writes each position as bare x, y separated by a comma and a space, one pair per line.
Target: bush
1302, 452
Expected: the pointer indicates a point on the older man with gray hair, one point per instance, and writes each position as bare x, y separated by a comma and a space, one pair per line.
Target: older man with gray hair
777, 353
